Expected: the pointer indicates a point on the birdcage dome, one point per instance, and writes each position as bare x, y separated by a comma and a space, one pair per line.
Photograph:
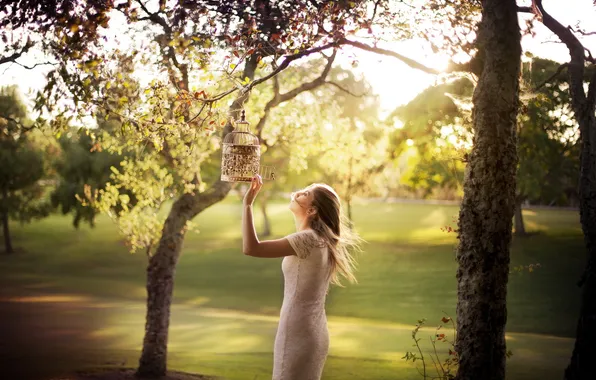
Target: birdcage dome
241, 154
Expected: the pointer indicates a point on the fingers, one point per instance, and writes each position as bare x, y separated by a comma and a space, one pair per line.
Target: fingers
257, 182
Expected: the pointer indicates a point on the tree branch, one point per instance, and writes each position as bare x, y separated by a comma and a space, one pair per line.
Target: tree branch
582, 32
373, 49
281, 98
341, 88
34, 66
309, 85
284, 65
567, 37
525, 9
23, 127
576, 51
556, 74
155, 17
13, 57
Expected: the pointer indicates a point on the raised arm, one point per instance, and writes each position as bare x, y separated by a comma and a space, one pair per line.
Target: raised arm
251, 245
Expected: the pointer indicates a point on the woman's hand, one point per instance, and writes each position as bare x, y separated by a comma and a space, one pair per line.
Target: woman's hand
253, 190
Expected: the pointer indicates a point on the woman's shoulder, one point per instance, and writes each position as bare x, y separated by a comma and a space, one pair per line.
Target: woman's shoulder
305, 241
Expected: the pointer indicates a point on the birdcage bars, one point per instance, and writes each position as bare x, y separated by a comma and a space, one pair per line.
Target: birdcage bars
241, 153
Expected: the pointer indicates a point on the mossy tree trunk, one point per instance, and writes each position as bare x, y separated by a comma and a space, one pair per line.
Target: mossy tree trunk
486, 214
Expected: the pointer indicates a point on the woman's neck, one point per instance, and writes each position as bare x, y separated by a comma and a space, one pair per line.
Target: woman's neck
301, 224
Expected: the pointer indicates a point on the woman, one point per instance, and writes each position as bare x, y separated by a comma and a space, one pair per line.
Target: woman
315, 256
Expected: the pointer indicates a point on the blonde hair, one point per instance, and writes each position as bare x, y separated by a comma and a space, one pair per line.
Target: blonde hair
332, 226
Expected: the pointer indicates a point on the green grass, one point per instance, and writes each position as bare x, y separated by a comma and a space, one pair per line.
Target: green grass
226, 304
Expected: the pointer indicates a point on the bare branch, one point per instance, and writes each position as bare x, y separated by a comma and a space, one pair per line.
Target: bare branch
281, 98
34, 66
155, 17
576, 51
23, 127
340, 87
549, 79
13, 57
581, 31
525, 9
309, 85
408, 61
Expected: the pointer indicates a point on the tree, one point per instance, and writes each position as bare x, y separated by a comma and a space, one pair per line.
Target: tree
85, 167
584, 105
547, 140
22, 196
358, 149
486, 213
62, 27
172, 125
436, 123
170, 135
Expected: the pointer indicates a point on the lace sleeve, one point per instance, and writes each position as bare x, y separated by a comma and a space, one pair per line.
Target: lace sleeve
303, 243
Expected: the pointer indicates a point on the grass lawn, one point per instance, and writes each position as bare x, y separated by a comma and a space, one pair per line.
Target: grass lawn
91, 290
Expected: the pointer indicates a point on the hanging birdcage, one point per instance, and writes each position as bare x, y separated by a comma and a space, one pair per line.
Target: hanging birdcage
241, 154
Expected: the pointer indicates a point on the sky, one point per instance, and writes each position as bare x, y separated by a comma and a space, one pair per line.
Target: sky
395, 82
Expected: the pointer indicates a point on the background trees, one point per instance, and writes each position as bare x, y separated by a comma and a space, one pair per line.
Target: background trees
22, 165
201, 54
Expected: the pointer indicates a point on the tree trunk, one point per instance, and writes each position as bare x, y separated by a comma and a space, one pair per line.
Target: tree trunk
486, 214
584, 351
7, 240
584, 106
520, 228
162, 265
349, 207
266, 223
160, 286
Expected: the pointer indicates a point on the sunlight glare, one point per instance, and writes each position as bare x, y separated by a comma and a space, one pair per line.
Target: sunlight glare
398, 124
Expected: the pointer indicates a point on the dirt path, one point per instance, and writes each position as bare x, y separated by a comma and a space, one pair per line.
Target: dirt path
47, 336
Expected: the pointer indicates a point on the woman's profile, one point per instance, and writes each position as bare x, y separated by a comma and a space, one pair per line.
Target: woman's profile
317, 255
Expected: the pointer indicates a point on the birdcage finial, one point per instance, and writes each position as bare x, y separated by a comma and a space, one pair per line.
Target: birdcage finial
243, 116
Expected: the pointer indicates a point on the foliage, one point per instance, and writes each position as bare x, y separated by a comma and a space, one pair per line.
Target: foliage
548, 146
22, 194
358, 151
437, 124
84, 168
63, 27
445, 368
169, 127
433, 133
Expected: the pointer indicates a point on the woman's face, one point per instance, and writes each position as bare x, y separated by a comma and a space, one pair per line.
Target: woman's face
301, 201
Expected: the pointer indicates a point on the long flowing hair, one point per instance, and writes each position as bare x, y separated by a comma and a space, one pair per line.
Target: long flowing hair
333, 227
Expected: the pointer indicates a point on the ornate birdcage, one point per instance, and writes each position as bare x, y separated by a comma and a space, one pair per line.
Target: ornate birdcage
241, 154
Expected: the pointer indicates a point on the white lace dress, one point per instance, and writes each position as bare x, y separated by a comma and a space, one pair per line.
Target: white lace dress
302, 339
